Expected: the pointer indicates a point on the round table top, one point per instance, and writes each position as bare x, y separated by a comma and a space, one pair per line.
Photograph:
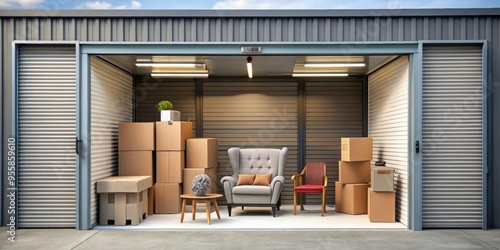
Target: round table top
206, 196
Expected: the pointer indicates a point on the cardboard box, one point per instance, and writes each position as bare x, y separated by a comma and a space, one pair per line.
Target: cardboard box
168, 198
134, 136
202, 153
170, 166
351, 198
132, 163
382, 179
356, 149
123, 199
173, 136
354, 171
151, 200
190, 173
381, 206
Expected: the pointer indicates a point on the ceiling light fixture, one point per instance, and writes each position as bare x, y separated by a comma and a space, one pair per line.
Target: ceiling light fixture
319, 74
333, 65
249, 67
169, 65
180, 75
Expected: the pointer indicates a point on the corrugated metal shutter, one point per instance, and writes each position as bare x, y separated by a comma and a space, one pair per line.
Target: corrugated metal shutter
111, 103
334, 110
149, 91
252, 114
47, 130
452, 137
388, 125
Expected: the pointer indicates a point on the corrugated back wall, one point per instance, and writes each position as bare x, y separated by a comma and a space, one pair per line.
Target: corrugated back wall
46, 132
252, 114
452, 143
110, 104
333, 110
388, 125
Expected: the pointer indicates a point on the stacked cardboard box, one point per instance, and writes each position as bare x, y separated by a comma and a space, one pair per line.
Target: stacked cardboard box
354, 175
202, 158
381, 195
136, 143
170, 163
123, 199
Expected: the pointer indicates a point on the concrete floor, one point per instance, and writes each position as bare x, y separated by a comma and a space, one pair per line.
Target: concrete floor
252, 239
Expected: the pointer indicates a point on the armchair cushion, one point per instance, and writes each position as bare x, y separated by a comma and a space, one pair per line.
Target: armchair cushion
262, 179
252, 190
245, 179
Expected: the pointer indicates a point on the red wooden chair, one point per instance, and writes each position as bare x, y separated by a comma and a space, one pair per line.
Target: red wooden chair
312, 180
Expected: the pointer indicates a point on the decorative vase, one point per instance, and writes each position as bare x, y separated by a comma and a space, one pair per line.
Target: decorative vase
200, 185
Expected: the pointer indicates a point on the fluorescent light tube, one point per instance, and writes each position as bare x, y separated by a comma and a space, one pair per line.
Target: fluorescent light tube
170, 65
319, 74
333, 65
180, 75
249, 67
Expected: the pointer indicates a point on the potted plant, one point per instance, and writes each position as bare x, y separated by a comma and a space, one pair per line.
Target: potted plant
166, 113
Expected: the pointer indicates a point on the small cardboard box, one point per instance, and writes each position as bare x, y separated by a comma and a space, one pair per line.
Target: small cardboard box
351, 198
356, 149
381, 206
138, 136
123, 199
202, 153
168, 198
131, 163
169, 166
382, 179
190, 173
173, 135
354, 171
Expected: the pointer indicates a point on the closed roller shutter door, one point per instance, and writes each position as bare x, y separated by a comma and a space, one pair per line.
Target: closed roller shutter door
111, 103
333, 110
452, 137
252, 114
149, 91
47, 130
388, 125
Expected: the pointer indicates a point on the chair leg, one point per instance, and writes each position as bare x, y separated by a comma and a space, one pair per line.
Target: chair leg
302, 201
323, 203
274, 211
294, 203
229, 208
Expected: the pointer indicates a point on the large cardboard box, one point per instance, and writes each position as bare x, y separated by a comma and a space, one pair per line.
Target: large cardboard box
151, 200
354, 171
382, 179
173, 136
136, 136
351, 198
356, 149
131, 163
170, 166
168, 198
190, 173
202, 153
123, 199
381, 206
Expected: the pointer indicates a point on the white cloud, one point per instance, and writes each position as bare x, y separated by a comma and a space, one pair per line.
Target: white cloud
105, 5
23, 4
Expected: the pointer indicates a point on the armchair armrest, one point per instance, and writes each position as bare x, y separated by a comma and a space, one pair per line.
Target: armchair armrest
325, 180
276, 186
228, 182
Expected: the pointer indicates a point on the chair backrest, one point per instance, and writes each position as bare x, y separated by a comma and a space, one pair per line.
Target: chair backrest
315, 172
258, 161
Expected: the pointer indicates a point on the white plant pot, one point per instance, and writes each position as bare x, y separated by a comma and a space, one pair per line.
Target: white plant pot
170, 115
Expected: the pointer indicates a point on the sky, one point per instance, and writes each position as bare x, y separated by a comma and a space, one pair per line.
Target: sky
246, 4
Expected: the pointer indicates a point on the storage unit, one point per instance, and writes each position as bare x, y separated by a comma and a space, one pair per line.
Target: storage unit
381, 206
351, 198
122, 199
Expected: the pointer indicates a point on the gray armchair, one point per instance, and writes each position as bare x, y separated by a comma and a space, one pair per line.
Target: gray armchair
254, 161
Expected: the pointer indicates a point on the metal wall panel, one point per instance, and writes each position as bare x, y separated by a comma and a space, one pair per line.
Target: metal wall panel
111, 103
452, 143
388, 125
249, 114
334, 109
47, 130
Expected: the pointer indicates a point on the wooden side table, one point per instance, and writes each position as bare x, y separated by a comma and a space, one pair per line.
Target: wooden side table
208, 198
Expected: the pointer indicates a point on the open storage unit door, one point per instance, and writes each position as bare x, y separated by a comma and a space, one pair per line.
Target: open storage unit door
452, 131
47, 129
